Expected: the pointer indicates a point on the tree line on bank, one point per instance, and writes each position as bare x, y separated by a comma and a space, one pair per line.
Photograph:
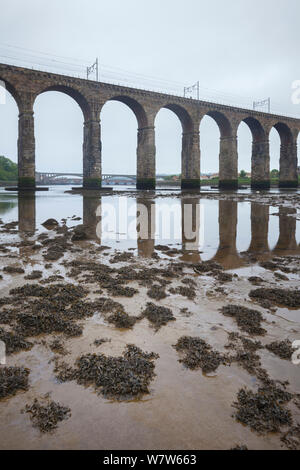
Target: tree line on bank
9, 172
8, 169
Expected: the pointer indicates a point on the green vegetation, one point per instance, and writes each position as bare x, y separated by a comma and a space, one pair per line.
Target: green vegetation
8, 170
274, 174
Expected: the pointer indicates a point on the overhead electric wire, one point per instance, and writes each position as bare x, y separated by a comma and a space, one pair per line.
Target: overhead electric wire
113, 74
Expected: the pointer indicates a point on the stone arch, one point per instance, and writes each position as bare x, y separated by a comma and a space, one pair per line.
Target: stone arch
222, 121
260, 159
91, 131
10, 111
285, 133
190, 149
228, 162
257, 130
12, 90
288, 176
168, 139
135, 106
182, 114
73, 93
145, 162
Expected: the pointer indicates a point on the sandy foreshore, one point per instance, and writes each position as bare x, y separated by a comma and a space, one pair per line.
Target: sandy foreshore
147, 352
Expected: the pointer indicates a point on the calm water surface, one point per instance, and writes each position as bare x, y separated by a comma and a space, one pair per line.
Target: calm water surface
202, 228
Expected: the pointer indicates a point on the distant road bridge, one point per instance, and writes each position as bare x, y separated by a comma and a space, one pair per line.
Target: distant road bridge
49, 177
25, 85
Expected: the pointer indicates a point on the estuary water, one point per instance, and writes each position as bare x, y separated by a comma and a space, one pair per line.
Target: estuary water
196, 227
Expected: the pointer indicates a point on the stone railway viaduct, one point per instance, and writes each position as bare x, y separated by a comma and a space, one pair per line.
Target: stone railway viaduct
26, 84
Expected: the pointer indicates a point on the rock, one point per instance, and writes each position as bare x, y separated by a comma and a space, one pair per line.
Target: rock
50, 223
13, 269
79, 233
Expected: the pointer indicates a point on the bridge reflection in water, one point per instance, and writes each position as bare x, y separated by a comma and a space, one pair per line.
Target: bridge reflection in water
226, 254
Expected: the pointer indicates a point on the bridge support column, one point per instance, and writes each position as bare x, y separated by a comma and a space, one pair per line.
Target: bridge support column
146, 158
228, 163
190, 161
260, 165
26, 151
288, 176
92, 155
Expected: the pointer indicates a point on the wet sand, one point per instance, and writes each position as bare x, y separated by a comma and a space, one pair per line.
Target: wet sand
185, 408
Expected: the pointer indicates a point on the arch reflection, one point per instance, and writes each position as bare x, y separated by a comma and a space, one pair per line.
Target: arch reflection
227, 254
27, 212
190, 229
145, 226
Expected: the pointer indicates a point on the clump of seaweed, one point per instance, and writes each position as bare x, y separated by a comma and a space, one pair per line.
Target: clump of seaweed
245, 352
14, 342
263, 410
185, 291
291, 438
79, 233
188, 281
121, 291
270, 265
13, 379
35, 274
199, 354
285, 297
46, 415
255, 280
207, 267
156, 292
36, 324
240, 447
121, 257
283, 349
13, 269
121, 319
224, 277
247, 319
121, 377
57, 346
57, 247
281, 277
157, 315
6, 316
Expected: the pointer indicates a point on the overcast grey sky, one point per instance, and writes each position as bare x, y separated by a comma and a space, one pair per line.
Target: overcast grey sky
249, 49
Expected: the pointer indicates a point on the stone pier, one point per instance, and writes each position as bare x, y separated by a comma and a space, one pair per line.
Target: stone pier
260, 165
288, 175
146, 158
228, 163
190, 178
26, 150
92, 155
145, 218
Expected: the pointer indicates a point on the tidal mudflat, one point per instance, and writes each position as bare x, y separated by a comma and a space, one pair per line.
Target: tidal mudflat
122, 334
